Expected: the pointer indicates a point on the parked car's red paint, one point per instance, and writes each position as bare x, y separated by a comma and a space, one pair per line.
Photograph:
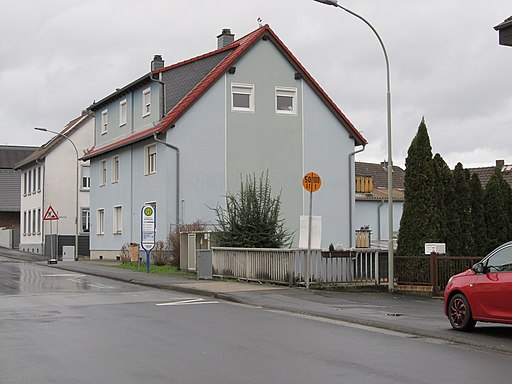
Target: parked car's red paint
482, 293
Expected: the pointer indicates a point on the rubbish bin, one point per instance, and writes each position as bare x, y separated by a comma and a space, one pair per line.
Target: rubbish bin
134, 252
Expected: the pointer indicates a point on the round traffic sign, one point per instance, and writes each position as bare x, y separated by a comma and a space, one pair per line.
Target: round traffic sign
311, 182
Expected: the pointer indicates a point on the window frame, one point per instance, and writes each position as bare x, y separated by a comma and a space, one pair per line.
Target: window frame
289, 92
146, 102
104, 121
87, 220
123, 112
38, 221
150, 159
242, 89
39, 174
85, 176
100, 220
103, 172
29, 189
115, 169
117, 219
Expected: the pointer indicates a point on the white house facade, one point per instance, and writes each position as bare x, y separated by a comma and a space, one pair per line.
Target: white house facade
49, 179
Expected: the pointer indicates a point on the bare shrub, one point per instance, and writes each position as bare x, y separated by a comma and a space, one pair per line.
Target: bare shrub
124, 253
173, 240
160, 254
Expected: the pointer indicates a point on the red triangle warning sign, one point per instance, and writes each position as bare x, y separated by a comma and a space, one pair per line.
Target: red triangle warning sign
50, 214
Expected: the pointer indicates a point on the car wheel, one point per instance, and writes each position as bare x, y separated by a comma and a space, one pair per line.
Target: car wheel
459, 313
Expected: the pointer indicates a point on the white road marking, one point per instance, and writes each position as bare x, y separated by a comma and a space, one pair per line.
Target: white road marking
188, 302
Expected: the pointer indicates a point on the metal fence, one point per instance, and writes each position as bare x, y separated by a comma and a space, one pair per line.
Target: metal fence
286, 266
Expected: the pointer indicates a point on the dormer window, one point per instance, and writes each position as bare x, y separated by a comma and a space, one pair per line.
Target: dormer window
146, 102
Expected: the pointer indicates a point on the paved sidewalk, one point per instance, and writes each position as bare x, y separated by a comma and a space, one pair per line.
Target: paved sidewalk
416, 316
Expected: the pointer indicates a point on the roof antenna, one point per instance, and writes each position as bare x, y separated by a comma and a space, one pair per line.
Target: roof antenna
260, 22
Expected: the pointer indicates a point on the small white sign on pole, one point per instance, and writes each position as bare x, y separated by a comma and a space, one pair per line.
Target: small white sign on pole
316, 232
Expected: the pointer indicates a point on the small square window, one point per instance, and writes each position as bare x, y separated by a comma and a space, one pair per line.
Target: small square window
242, 97
286, 100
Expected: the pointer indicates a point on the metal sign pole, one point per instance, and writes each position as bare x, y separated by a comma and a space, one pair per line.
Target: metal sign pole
308, 255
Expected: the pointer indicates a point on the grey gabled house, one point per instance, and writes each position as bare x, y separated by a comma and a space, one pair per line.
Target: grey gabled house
181, 137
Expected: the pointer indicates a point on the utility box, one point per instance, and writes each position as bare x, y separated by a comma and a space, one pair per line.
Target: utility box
204, 264
134, 252
68, 253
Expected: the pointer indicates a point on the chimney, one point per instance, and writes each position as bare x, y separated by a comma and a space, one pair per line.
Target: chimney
225, 38
500, 163
157, 63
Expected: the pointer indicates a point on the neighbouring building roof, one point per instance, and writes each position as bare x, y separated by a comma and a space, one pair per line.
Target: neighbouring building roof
485, 173
193, 77
10, 181
46, 148
505, 32
12, 154
372, 181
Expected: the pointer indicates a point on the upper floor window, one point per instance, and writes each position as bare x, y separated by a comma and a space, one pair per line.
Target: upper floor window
38, 179
123, 109
115, 169
86, 177
29, 182
150, 159
242, 97
104, 121
34, 179
286, 100
24, 183
146, 102
103, 172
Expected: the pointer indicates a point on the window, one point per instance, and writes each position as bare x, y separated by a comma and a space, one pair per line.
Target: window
29, 222
286, 100
100, 230
38, 179
146, 102
24, 183
122, 112
34, 174
103, 172
33, 221
242, 97
150, 159
25, 222
86, 219
118, 220
38, 221
104, 121
86, 177
115, 169
29, 182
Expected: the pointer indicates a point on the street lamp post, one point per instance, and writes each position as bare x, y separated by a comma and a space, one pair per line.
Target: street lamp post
334, 3
77, 182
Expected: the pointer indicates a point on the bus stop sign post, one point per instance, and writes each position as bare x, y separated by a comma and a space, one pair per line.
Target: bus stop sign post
148, 232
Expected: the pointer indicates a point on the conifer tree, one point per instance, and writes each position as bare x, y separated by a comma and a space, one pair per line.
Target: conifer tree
251, 218
443, 188
462, 236
496, 207
478, 216
419, 223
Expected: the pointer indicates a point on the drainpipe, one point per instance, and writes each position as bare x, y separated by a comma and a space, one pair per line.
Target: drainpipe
177, 174
351, 193
378, 218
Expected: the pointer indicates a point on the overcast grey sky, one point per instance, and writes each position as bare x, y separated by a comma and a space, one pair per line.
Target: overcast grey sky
57, 56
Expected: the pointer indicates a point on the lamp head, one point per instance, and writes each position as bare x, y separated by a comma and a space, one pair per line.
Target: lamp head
334, 3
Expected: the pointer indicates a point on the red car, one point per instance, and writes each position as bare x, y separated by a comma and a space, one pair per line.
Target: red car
482, 293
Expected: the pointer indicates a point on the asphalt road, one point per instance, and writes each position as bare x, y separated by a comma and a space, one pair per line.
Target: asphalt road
65, 327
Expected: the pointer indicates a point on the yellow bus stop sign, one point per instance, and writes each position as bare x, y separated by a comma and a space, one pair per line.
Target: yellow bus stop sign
311, 182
